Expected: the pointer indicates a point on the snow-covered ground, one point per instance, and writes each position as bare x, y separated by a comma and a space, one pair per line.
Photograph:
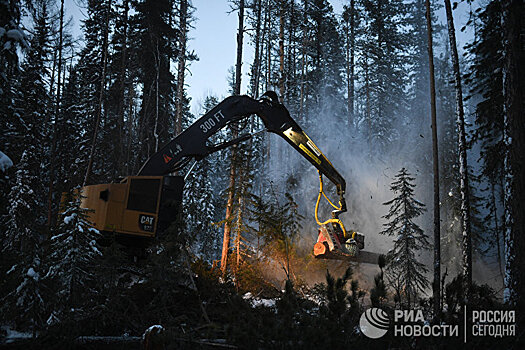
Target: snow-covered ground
255, 302
7, 335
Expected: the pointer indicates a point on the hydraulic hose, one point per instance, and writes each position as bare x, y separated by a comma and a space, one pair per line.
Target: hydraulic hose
335, 221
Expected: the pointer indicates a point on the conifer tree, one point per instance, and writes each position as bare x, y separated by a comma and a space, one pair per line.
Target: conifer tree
11, 39
385, 64
514, 138
410, 238
155, 47
22, 248
118, 94
278, 223
324, 80
72, 261
485, 79
200, 199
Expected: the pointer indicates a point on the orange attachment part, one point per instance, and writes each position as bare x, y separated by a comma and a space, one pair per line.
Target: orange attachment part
320, 249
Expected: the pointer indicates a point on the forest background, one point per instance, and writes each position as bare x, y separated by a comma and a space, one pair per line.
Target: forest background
89, 100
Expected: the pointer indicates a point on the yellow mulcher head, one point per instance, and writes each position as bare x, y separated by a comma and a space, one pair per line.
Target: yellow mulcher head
334, 241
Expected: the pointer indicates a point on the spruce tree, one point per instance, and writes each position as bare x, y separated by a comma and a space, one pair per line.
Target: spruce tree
72, 261
410, 238
201, 199
278, 223
11, 39
22, 249
485, 79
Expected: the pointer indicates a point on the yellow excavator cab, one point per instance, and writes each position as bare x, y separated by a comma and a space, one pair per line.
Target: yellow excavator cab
134, 209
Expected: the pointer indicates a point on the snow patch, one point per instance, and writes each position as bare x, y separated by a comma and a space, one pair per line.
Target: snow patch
68, 219
5, 162
153, 330
33, 274
11, 269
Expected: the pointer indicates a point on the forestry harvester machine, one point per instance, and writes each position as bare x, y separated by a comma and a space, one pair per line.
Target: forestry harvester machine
139, 207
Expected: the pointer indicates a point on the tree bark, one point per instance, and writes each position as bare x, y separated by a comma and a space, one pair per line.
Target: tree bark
100, 97
351, 92
436, 295
122, 87
494, 210
57, 119
303, 62
349, 19
240, 36
183, 16
291, 59
233, 165
281, 49
462, 148
514, 138
368, 103
256, 67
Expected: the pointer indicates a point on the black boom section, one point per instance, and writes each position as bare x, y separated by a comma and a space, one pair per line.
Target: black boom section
191, 143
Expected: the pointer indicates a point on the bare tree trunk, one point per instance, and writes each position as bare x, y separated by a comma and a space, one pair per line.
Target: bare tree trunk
462, 147
240, 36
303, 61
235, 132
122, 87
238, 227
57, 120
269, 48
268, 25
100, 97
53, 69
281, 49
291, 67
514, 138
130, 129
182, 64
157, 74
256, 67
436, 295
349, 19
351, 92
497, 227
368, 104
228, 217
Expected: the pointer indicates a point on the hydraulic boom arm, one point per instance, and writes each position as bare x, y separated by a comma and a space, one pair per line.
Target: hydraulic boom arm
192, 143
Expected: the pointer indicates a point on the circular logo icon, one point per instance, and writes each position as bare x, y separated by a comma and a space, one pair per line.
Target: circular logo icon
374, 323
